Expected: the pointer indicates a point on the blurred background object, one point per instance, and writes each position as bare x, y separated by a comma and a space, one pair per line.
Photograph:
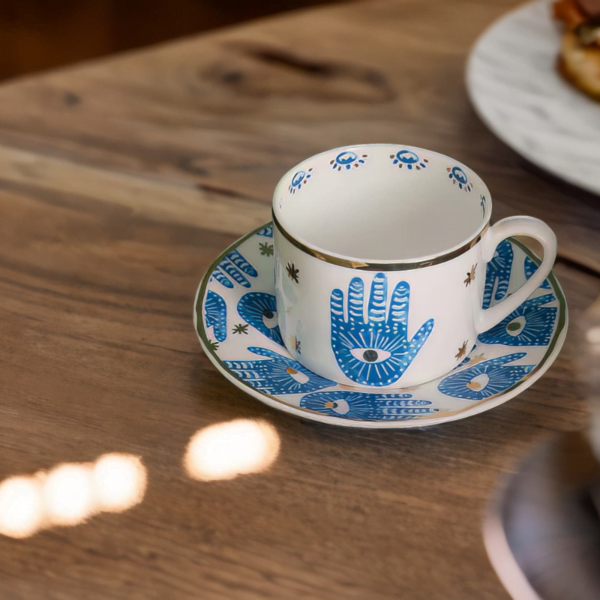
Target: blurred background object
543, 531
40, 34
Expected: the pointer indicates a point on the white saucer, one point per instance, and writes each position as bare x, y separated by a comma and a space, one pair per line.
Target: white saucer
235, 317
516, 90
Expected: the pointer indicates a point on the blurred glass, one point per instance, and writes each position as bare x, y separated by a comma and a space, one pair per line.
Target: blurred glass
542, 532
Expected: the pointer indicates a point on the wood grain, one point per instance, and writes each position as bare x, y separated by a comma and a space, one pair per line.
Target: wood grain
120, 181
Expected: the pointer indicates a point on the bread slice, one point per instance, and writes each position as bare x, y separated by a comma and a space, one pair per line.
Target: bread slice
580, 64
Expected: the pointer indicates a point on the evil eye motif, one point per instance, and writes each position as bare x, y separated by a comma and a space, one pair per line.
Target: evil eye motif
376, 350
346, 160
531, 324
486, 378
370, 355
459, 177
259, 309
299, 179
277, 374
368, 407
409, 160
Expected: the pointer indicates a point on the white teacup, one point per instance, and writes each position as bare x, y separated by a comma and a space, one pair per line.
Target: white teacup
380, 254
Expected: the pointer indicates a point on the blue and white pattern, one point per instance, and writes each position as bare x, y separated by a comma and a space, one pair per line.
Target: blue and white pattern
277, 374
367, 407
266, 231
299, 179
530, 269
531, 324
346, 160
259, 309
408, 159
486, 379
234, 268
377, 351
471, 358
215, 315
497, 275
505, 360
459, 177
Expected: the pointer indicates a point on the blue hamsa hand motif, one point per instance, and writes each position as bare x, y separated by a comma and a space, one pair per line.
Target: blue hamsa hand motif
277, 374
376, 351
215, 315
486, 378
367, 407
531, 324
234, 268
498, 274
259, 309
530, 268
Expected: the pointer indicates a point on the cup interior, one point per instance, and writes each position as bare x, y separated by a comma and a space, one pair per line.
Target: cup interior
382, 203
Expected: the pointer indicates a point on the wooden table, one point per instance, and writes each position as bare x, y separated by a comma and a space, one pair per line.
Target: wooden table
120, 181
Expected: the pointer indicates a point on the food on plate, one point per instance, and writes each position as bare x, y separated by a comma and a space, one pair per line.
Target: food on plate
579, 59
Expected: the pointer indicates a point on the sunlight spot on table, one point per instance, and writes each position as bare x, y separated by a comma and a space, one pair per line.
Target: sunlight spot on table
70, 493
226, 450
120, 482
593, 335
21, 506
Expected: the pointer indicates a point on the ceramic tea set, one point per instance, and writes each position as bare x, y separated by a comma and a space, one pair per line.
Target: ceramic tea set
381, 296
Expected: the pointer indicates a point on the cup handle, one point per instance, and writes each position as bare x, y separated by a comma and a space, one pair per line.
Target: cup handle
500, 231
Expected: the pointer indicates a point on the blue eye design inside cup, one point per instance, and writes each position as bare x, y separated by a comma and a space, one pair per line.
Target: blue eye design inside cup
408, 159
299, 178
459, 177
346, 160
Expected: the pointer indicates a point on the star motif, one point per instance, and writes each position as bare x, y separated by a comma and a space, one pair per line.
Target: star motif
292, 272
462, 350
266, 249
476, 359
240, 328
470, 276
213, 345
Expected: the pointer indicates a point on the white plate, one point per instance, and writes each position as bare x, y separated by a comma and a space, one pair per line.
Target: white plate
516, 90
235, 316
